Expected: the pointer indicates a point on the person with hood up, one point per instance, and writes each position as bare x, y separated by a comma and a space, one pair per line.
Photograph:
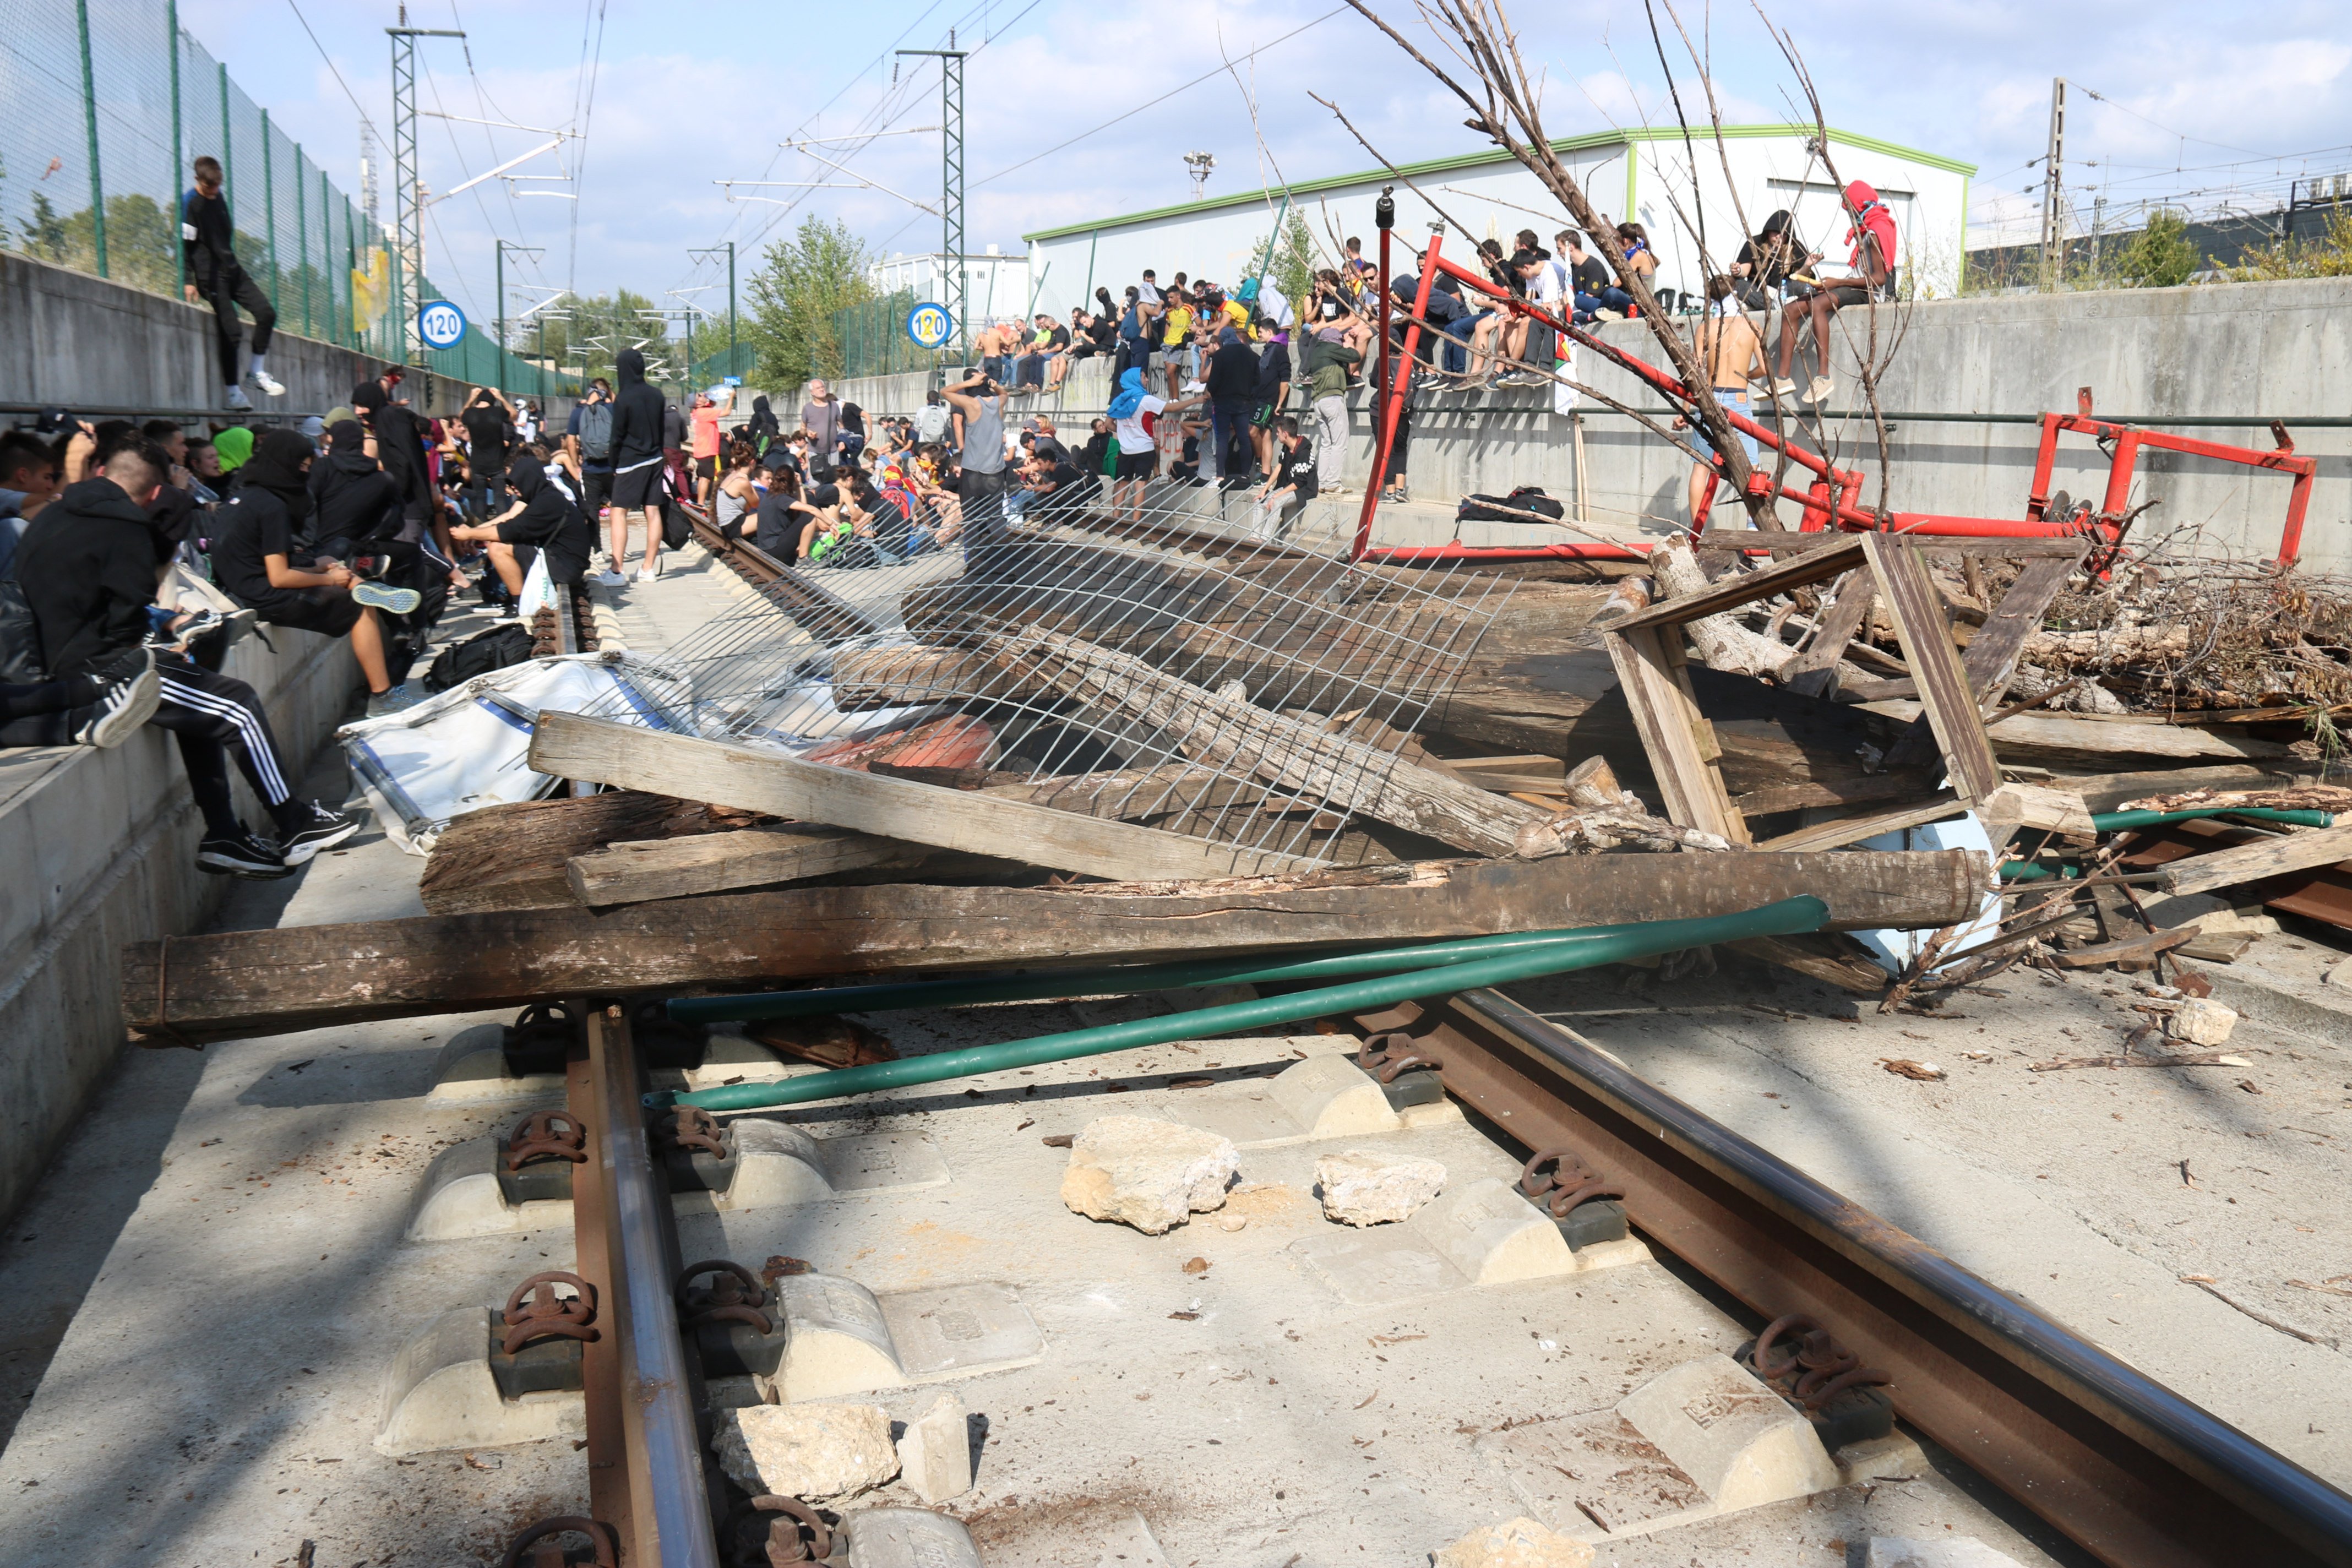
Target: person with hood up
1871, 258
254, 551
400, 448
1134, 414
87, 568
544, 519
1232, 385
353, 500
233, 447
638, 461
762, 428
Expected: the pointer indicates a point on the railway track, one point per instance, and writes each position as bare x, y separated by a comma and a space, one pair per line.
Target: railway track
2127, 1470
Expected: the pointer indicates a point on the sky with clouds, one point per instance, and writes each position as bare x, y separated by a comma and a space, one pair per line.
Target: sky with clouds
674, 99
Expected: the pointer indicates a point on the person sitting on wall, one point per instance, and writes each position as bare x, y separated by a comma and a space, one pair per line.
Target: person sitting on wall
1872, 258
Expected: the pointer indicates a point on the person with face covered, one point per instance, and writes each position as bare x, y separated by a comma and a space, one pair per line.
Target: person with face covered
544, 518
638, 456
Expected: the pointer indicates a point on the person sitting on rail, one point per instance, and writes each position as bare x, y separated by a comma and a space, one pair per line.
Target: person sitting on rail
544, 517
1873, 262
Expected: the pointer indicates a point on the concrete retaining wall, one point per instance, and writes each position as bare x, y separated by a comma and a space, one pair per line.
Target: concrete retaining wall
78, 341
100, 849
2279, 349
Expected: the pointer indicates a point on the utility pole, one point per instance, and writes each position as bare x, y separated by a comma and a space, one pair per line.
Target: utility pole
407, 191
2098, 222
951, 180
2053, 213
505, 246
729, 246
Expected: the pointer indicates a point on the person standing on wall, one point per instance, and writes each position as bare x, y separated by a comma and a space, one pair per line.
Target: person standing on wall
209, 240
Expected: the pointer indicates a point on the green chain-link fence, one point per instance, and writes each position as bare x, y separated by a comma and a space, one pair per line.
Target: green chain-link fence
103, 106
873, 338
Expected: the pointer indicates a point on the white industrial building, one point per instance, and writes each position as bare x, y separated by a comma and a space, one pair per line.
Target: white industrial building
1644, 172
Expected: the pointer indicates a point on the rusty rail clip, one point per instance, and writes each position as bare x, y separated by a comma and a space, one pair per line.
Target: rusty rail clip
1386, 1056
547, 1315
547, 1135
1818, 1368
689, 1129
601, 1537
1571, 1182
734, 1295
783, 1541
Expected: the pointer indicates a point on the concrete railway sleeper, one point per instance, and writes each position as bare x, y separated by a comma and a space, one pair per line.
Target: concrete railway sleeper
1862, 1324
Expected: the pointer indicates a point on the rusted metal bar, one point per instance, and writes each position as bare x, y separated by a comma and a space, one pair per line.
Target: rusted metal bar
2122, 1465
660, 1385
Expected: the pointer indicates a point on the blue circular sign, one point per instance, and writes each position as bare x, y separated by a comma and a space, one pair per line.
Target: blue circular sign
930, 326
440, 324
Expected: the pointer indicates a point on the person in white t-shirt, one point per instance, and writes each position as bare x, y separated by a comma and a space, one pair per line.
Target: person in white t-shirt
1135, 416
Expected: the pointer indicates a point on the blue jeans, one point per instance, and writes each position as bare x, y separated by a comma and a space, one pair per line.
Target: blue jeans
1228, 418
1616, 299
1737, 403
1457, 352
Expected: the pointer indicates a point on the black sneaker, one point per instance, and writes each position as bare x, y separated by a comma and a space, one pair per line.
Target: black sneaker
241, 855
322, 829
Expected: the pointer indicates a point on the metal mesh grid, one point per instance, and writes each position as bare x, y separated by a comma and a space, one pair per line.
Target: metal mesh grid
1172, 669
45, 186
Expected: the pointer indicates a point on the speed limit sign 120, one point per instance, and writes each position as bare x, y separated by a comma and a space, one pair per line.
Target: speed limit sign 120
440, 324
929, 326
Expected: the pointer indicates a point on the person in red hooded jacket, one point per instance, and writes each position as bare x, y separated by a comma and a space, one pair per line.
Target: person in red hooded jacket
1871, 258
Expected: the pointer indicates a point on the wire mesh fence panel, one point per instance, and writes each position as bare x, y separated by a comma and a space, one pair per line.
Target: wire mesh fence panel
45, 170
131, 73
1157, 660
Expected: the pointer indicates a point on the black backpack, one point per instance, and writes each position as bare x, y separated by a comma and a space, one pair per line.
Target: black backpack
496, 648
1526, 499
20, 640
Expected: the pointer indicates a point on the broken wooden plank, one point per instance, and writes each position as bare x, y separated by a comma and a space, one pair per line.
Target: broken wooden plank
635, 872
2013, 806
570, 746
229, 985
1993, 653
2114, 791
1813, 671
1736, 589
1855, 829
2251, 862
1857, 791
1924, 629
1228, 732
2138, 949
2071, 745
1669, 724
1817, 957
511, 857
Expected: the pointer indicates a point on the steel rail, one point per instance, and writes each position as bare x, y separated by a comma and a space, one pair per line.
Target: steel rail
669, 1493
609, 1501
2122, 1465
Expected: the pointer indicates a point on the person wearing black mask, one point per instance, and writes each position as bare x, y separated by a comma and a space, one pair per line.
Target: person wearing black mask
353, 500
762, 428
253, 557
87, 565
544, 519
638, 486
400, 448
489, 422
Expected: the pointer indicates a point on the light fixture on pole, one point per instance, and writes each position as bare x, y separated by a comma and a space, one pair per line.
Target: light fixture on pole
1197, 165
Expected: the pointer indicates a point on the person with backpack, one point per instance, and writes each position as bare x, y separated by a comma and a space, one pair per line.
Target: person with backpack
588, 441
931, 424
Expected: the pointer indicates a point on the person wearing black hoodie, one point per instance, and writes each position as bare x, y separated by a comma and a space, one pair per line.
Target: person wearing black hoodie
762, 428
545, 518
254, 555
87, 565
400, 448
353, 500
637, 461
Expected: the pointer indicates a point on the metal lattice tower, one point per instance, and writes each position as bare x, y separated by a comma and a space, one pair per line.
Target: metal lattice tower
951, 181
407, 191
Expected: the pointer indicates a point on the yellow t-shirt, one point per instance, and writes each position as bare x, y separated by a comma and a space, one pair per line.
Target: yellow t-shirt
1239, 312
1179, 323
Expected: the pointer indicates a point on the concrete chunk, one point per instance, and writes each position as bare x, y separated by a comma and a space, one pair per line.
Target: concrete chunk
1516, 1543
1358, 1188
1153, 1175
807, 1451
2200, 1021
935, 1452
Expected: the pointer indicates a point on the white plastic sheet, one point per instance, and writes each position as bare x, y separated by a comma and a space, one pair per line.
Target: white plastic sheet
1895, 950
469, 747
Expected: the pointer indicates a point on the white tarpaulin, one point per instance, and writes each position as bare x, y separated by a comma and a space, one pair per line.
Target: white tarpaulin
469, 747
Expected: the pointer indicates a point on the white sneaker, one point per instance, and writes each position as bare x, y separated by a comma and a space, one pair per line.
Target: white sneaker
1783, 387
648, 573
236, 398
267, 382
1820, 389
608, 578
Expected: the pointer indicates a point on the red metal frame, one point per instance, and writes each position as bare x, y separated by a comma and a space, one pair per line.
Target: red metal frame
1832, 494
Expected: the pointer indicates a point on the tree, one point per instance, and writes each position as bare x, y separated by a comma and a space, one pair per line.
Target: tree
2160, 256
45, 233
1293, 271
803, 282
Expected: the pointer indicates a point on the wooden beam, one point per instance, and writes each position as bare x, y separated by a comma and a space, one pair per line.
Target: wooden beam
1814, 669
1926, 634
1673, 732
231, 985
2112, 792
567, 745
1232, 734
2295, 851
1993, 652
1736, 589
635, 872
511, 857
1838, 792
1855, 829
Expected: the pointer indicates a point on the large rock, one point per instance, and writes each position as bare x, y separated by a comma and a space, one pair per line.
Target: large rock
935, 1454
1516, 1543
1365, 1189
807, 1451
1153, 1175
2200, 1021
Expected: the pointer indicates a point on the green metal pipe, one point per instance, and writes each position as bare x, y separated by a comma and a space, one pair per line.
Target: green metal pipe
2117, 821
1054, 984
1787, 917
